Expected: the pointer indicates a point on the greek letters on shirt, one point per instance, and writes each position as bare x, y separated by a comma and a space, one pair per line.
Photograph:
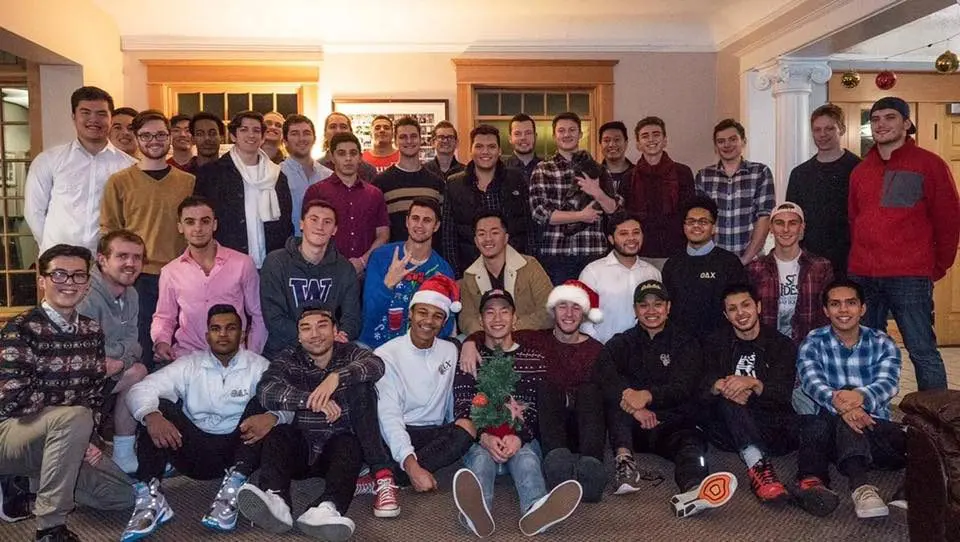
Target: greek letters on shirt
708, 275
310, 290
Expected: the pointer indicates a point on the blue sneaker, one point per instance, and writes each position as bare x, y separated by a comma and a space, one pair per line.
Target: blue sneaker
149, 513
223, 512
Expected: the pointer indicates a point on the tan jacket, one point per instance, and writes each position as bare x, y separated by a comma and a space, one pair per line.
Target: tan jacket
526, 281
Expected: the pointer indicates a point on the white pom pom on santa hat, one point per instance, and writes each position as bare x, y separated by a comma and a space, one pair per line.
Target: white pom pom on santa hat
577, 292
440, 291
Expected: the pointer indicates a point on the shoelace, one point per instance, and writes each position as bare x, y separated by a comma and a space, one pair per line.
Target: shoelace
623, 468
765, 475
386, 492
365, 486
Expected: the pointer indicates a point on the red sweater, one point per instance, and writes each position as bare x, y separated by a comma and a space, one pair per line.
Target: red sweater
903, 215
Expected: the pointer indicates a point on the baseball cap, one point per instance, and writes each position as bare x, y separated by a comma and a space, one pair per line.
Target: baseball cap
490, 295
787, 207
650, 287
312, 309
898, 105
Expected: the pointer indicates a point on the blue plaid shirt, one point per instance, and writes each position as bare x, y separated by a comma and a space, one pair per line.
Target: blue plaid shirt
871, 367
741, 200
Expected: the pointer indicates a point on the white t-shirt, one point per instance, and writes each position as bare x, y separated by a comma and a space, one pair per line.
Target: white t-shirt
789, 272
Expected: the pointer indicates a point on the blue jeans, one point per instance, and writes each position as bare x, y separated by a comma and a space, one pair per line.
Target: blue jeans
524, 468
564, 268
910, 299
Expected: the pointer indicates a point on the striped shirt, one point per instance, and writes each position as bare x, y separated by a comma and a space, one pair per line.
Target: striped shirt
400, 188
872, 367
742, 199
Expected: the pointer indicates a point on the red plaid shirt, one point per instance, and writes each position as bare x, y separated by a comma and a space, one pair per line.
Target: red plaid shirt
815, 274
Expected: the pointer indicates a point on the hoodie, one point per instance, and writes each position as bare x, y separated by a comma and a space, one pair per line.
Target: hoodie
288, 281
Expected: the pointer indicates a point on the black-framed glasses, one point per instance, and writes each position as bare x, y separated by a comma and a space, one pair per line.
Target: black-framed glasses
445, 138
147, 137
697, 222
59, 276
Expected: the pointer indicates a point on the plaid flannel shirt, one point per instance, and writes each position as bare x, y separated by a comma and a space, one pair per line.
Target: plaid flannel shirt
741, 200
552, 188
292, 377
815, 274
871, 367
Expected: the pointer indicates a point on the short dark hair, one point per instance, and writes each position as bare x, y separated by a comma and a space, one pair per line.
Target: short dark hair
90, 94
103, 246
522, 117
194, 201
129, 111
649, 121
343, 137
223, 308
569, 115
63, 251
489, 213
405, 121
429, 203
380, 117
726, 124
841, 283
740, 288
484, 129
448, 125
613, 125
297, 119
830, 110
237, 120
321, 203
147, 116
206, 115
701, 202
179, 117
619, 218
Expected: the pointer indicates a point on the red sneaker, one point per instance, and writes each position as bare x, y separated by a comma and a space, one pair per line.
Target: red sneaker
366, 485
766, 486
386, 504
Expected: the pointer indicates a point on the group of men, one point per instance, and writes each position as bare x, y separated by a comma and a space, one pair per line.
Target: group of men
303, 321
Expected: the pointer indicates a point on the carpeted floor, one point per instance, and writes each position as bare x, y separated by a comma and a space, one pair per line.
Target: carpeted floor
645, 516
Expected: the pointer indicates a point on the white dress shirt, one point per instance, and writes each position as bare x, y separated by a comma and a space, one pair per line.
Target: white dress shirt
64, 191
615, 283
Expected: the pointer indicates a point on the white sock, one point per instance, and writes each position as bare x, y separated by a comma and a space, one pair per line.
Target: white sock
751, 455
123, 446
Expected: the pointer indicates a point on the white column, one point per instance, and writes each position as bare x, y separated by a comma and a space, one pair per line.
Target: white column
792, 83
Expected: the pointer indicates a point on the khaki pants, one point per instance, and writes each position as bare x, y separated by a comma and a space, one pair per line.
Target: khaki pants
49, 447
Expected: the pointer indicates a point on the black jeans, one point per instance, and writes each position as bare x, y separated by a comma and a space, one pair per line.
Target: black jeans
202, 456
572, 420
366, 426
825, 437
287, 454
148, 290
734, 427
676, 438
437, 446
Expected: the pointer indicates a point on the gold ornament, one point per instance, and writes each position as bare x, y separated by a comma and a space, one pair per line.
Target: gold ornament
947, 62
850, 79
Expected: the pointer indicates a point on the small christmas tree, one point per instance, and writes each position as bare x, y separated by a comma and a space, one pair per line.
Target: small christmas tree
493, 407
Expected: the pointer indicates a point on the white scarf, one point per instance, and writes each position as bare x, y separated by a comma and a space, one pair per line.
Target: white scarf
260, 201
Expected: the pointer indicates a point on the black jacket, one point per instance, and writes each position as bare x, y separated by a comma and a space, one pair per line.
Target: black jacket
222, 185
776, 364
462, 201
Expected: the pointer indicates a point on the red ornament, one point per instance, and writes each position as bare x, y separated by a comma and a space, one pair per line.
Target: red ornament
886, 80
479, 400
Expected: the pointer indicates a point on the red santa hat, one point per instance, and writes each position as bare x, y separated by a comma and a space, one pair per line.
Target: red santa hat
440, 291
577, 292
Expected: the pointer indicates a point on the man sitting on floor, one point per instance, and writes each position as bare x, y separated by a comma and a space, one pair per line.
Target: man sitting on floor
852, 372
330, 386
200, 414
652, 372
415, 403
750, 372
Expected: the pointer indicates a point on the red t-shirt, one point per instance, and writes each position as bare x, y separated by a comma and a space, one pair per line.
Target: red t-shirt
381, 162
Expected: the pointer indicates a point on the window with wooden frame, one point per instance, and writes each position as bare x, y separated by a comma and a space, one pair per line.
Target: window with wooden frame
496, 106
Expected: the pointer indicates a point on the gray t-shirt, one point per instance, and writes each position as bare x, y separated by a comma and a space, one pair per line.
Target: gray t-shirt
789, 272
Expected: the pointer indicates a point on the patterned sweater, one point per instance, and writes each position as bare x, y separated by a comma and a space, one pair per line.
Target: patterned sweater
41, 365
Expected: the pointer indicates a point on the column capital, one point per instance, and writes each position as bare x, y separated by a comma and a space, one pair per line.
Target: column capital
792, 75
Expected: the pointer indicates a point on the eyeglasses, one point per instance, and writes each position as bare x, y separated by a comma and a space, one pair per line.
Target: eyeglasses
59, 276
147, 137
445, 138
697, 222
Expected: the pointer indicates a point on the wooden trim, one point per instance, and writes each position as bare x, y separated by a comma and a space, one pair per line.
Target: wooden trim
35, 109
912, 87
230, 71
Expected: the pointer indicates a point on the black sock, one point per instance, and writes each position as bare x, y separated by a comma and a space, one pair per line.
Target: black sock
855, 469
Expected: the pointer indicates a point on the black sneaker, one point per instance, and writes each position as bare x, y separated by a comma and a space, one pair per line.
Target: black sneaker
558, 467
899, 499
60, 533
16, 501
592, 477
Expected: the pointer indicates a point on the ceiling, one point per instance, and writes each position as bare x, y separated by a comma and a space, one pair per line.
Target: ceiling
908, 43
361, 25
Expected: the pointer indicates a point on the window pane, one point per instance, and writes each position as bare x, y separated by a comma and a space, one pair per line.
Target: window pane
16, 141
866, 135
556, 104
287, 104
235, 104
580, 103
533, 104
504, 126
15, 105
263, 103
15, 178
488, 103
510, 103
23, 252
214, 103
188, 104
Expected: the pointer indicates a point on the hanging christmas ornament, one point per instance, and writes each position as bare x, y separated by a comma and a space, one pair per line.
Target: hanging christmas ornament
850, 79
947, 62
886, 80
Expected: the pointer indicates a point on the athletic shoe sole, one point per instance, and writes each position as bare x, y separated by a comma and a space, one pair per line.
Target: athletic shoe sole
386, 512
558, 467
6, 518
165, 516
215, 525
626, 489
714, 491
592, 477
468, 496
818, 502
330, 532
560, 503
256, 510
873, 513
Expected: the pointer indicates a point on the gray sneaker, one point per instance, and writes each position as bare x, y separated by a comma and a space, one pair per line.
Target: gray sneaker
149, 513
223, 512
868, 504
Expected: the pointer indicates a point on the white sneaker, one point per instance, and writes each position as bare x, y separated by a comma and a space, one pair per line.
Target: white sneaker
468, 496
868, 504
552, 508
714, 491
324, 522
265, 509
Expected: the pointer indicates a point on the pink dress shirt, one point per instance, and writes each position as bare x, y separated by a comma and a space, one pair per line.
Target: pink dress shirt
187, 293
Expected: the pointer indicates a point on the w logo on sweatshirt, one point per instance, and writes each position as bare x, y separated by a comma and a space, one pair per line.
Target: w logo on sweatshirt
310, 290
